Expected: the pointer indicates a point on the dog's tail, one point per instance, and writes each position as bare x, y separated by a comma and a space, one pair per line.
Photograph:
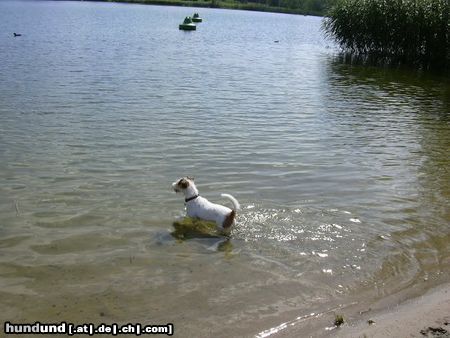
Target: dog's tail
229, 220
233, 200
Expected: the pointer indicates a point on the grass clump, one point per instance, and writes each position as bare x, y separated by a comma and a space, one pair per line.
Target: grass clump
338, 320
414, 32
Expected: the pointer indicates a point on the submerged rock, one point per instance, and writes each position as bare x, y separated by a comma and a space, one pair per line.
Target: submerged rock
195, 228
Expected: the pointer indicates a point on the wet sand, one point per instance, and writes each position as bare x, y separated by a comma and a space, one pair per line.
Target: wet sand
425, 316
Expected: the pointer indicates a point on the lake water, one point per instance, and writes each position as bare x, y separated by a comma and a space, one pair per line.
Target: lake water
342, 172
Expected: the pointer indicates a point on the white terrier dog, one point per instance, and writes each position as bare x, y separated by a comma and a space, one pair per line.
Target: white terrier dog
200, 207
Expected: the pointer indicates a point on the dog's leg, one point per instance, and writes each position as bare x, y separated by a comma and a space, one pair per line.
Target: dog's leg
229, 219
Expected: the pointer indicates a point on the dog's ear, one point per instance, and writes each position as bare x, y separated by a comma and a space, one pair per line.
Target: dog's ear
183, 184
190, 178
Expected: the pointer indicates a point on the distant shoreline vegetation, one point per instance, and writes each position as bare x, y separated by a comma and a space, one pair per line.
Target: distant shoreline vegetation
305, 7
395, 32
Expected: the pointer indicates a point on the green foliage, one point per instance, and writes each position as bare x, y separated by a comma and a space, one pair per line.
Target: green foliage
338, 320
406, 31
314, 7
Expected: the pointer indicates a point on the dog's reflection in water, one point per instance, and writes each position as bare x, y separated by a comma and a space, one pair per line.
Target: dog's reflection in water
191, 228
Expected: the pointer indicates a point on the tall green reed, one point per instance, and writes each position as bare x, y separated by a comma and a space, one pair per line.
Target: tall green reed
401, 31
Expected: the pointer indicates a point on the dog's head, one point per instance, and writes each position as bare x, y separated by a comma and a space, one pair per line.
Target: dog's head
182, 184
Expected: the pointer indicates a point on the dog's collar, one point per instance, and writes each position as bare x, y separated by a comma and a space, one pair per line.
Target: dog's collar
191, 198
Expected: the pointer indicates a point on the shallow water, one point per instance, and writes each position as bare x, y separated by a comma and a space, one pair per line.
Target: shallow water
342, 172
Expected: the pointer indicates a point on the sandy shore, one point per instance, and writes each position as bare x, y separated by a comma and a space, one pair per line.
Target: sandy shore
425, 316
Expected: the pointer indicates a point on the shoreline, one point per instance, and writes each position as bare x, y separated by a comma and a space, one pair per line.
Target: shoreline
407, 313
255, 7
427, 315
